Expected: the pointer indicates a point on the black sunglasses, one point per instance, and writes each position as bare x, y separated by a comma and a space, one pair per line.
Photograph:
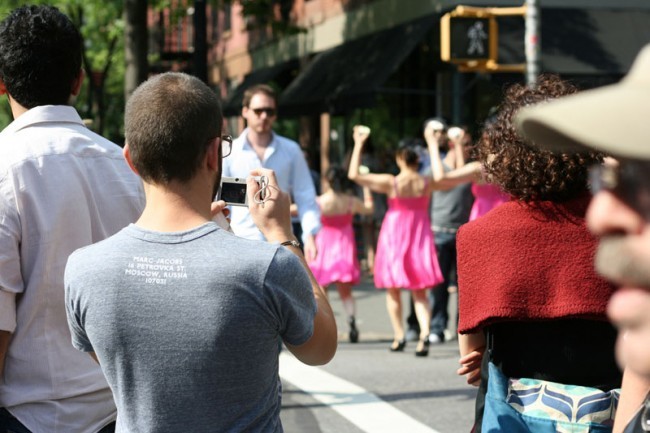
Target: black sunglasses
629, 182
268, 110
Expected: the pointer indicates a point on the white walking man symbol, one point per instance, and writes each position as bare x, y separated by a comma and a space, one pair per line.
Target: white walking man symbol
476, 36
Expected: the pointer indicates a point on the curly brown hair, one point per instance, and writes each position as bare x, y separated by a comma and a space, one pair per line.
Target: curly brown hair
522, 170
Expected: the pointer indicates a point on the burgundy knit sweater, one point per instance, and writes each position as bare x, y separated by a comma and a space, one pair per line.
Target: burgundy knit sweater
529, 262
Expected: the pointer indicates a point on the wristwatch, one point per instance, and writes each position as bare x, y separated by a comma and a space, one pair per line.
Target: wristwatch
293, 243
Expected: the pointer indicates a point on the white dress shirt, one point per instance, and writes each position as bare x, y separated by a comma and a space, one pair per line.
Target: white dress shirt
285, 157
62, 187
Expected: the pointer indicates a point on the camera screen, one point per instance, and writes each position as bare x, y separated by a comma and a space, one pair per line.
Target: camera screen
233, 192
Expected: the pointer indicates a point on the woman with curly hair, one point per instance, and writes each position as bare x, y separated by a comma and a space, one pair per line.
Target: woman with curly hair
531, 307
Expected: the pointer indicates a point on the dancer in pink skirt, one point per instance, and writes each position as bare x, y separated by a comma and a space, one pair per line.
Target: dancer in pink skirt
336, 261
406, 255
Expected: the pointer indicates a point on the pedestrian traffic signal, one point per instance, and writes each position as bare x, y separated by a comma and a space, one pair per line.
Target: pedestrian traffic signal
468, 38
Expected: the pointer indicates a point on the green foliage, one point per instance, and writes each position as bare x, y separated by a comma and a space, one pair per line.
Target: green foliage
102, 27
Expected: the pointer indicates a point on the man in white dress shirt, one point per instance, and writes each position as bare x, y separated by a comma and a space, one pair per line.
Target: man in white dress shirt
259, 146
62, 187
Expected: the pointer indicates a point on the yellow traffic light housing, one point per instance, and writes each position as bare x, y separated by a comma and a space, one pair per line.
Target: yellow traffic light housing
469, 37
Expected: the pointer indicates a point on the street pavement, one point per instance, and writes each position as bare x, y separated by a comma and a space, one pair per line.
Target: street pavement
366, 388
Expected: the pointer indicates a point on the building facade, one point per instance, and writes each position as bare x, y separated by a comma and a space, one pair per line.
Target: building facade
378, 62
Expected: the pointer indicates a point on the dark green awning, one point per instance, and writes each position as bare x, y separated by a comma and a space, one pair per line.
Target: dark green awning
352, 73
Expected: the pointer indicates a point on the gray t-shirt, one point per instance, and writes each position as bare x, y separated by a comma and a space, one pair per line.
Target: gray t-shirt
187, 326
450, 209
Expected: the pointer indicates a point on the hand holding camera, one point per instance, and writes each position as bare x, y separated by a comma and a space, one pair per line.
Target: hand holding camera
270, 213
220, 215
233, 191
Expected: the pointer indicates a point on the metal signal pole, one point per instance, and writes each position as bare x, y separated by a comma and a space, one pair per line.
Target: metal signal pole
532, 41
200, 63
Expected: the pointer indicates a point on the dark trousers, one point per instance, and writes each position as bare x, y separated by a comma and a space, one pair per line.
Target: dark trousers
9, 424
446, 250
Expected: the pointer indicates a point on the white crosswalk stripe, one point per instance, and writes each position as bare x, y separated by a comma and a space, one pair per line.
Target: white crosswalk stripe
362, 408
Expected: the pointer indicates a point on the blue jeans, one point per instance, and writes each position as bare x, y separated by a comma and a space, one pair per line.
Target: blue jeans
446, 251
9, 424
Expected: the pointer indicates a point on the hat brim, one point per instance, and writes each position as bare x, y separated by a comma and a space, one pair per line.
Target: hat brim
613, 119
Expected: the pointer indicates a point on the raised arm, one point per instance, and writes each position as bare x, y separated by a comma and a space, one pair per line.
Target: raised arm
458, 138
470, 172
437, 170
376, 182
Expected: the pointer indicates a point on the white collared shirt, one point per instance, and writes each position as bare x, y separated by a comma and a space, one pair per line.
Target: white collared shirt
62, 187
285, 157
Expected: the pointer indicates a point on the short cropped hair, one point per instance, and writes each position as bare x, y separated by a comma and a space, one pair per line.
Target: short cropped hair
40, 56
522, 170
259, 88
169, 121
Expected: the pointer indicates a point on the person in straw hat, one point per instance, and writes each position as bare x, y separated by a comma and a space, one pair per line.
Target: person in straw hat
614, 119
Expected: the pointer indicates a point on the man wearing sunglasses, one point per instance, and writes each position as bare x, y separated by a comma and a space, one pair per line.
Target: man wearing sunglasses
259, 146
614, 120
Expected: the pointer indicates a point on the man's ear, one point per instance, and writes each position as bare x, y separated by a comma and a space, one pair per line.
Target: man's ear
213, 155
3, 88
127, 156
76, 84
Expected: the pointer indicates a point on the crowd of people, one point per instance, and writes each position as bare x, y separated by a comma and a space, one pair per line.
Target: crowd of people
183, 303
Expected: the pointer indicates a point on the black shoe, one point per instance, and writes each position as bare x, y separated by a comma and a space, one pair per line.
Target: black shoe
398, 345
354, 332
424, 351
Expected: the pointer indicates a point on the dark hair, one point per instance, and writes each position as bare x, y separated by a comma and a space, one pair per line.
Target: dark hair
338, 179
258, 88
168, 122
40, 56
407, 150
521, 169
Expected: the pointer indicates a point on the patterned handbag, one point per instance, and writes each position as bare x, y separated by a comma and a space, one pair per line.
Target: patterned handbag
539, 406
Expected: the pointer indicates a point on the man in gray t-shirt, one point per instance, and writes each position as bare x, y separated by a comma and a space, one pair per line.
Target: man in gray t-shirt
184, 317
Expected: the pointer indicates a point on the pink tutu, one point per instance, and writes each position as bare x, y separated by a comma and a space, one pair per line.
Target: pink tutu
336, 260
406, 255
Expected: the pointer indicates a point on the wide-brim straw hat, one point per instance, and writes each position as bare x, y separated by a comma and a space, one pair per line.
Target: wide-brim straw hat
614, 119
